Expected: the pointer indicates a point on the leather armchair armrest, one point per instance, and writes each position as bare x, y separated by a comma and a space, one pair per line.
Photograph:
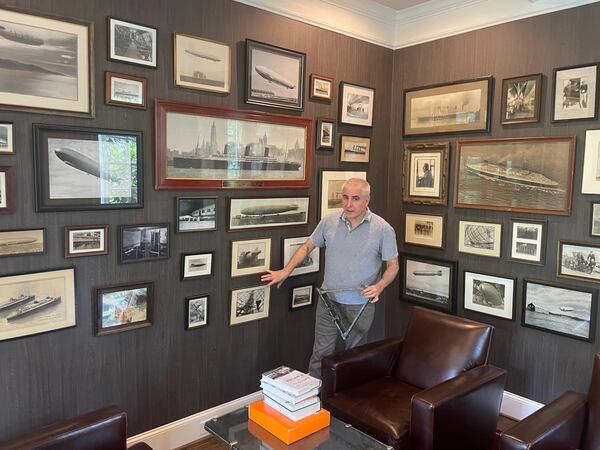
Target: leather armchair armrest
461, 413
557, 425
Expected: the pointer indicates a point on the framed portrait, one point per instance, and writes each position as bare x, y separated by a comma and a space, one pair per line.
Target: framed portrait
274, 76
356, 104
565, 310
325, 134
532, 175
196, 265
132, 43
521, 99
86, 240
196, 312
595, 219
429, 282
590, 181
578, 260
575, 93
457, 107
302, 296
267, 212
7, 193
201, 63
480, 238
425, 172
195, 148
528, 243
249, 304
143, 243
321, 88
355, 149
250, 256
331, 189
490, 294
87, 168
7, 139
36, 302
310, 264
125, 90
22, 242
196, 214
123, 307
424, 229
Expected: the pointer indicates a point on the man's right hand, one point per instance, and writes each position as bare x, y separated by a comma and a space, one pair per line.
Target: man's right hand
275, 277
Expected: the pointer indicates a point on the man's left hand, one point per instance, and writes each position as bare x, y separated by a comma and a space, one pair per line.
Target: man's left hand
372, 292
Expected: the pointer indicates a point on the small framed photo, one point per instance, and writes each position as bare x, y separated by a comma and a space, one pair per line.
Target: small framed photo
590, 181
429, 282
424, 229
196, 312
249, 304
580, 261
123, 307
565, 310
321, 88
7, 140
521, 99
480, 238
490, 294
196, 265
426, 173
267, 212
143, 243
125, 90
132, 43
331, 189
595, 220
250, 256
302, 296
86, 240
325, 134
355, 149
196, 214
22, 242
575, 93
356, 104
310, 263
7, 200
528, 241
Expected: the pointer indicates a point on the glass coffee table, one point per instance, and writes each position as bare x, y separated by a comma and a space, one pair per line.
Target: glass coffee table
238, 433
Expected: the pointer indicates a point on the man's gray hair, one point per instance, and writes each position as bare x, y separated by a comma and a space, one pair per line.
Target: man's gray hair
365, 187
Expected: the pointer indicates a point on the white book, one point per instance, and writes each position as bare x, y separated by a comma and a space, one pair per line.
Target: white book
294, 415
290, 380
291, 406
286, 395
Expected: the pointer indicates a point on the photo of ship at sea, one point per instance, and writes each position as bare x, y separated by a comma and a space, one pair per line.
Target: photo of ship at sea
446, 109
430, 282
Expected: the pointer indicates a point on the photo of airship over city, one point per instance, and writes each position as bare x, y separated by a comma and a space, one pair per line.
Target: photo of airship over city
248, 213
428, 283
202, 64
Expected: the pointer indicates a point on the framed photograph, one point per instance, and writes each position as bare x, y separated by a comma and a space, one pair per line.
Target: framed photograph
310, 264
331, 189
325, 134
267, 212
521, 99
425, 172
123, 307
321, 88
424, 229
480, 238
575, 93
595, 220
565, 310
196, 149
143, 243
429, 282
302, 296
201, 63
356, 104
196, 312
355, 149
274, 76
36, 302
250, 256
578, 260
458, 107
22, 242
590, 181
528, 243
195, 265
7, 140
532, 175
125, 90
196, 214
86, 240
7, 193
490, 294
132, 43
87, 168
249, 304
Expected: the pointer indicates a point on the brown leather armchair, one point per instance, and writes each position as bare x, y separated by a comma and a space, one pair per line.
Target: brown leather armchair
430, 391
570, 422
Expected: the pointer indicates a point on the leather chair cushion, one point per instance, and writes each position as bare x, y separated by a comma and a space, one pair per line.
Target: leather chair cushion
591, 438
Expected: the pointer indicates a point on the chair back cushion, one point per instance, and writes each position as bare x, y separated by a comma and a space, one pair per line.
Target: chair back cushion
591, 438
438, 347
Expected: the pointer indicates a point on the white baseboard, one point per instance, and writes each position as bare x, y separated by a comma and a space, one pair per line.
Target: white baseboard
517, 407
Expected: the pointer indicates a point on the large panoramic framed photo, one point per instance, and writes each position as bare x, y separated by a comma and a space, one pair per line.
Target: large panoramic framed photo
528, 242
310, 264
575, 93
143, 243
480, 238
425, 172
578, 260
429, 282
86, 240
424, 229
532, 175
250, 256
590, 181
132, 43
22, 242
249, 304
521, 99
196, 214
201, 147
458, 107
123, 307
266, 212
356, 104
490, 294
331, 189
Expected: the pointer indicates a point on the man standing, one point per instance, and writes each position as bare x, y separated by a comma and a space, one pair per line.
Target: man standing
356, 243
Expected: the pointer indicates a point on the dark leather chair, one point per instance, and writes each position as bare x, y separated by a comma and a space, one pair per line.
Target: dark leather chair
430, 391
103, 429
570, 422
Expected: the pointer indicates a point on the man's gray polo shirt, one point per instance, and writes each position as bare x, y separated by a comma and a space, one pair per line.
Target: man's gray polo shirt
353, 258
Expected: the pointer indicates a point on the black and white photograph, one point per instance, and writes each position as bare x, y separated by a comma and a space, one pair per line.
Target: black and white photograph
575, 93
195, 265
196, 312
424, 229
86, 240
274, 76
249, 304
480, 238
22, 242
250, 256
355, 149
590, 181
565, 310
325, 134
310, 264
579, 261
196, 214
5, 201
7, 145
595, 220
331, 189
320, 87
425, 172
266, 212
132, 43
490, 294
123, 307
143, 243
429, 282
356, 104
521, 99
125, 90
528, 239
302, 296
201, 63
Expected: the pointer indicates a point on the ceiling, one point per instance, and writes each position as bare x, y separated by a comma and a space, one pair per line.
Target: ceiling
400, 4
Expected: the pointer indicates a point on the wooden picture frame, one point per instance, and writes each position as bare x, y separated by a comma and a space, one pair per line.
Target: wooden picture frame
31, 241
480, 238
132, 43
424, 229
425, 173
85, 240
197, 265
196, 312
249, 304
194, 214
490, 294
590, 178
123, 307
144, 243
126, 90
332, 181
356, 104
325, 134
521, 99
575, 93
429, 282
355, 149
7, 138
321, 87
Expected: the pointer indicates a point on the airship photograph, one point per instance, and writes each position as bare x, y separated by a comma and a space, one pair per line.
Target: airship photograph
202, 64
196, 265
21, 242
248, 213
489, 294
428, 282
250, 256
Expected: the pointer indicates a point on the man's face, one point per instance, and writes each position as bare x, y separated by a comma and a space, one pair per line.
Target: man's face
354, 202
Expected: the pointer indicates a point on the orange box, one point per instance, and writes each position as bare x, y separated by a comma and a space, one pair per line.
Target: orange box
310, 442
283, 428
